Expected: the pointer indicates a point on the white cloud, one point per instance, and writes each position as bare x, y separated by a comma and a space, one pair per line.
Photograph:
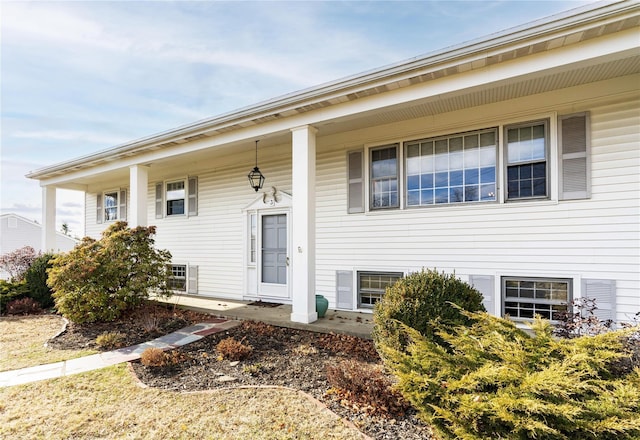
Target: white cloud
78, 77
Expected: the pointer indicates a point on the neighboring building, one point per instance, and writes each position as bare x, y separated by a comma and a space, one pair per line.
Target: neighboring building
17, 232
512, 160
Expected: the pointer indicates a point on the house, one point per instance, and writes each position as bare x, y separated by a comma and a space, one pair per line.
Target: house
17, 232
512, 160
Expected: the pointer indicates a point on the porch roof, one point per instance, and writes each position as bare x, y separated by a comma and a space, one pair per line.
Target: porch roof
274, 118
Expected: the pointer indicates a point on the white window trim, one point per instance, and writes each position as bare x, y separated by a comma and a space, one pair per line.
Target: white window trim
185, 181
495, 128
547, 159
551, 118
498, 299
191, 276
186, 276
166, 183
570, 295
399, 171
356, 294
119, 216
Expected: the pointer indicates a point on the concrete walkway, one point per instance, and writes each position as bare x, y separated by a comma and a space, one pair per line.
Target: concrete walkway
225, 314
335, 321
101, 360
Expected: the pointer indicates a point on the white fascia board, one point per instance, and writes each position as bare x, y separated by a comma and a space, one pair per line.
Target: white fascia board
592, 52
548, 28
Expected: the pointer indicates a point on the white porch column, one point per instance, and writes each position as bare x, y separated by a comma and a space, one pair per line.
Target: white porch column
138, 183
304, 225
48, 241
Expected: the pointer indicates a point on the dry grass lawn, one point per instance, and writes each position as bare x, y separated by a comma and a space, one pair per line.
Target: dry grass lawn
22, 341
109, 404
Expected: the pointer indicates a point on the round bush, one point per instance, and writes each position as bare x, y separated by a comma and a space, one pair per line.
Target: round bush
99, 280
36, 277
418, 301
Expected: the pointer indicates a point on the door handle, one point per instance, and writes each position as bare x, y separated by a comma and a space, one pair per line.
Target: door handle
287, 261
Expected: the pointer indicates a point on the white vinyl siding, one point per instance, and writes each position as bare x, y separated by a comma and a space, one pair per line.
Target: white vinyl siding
594, 238
214, 241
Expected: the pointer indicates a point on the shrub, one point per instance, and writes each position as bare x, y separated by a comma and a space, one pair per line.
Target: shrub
10, 291
366, 388
153, 357
110, 340
353, 346
233, 350
36, 277
496, 381
99, 280
17, 262
580, 320
253, 369
23, 306
420, 300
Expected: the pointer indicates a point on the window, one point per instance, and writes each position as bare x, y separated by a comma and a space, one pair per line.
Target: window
384, 177
355, 182
464, 167
253, 231
372, 285
178, 277
526, 150
453, 169
524, 298
177, 198
111, 206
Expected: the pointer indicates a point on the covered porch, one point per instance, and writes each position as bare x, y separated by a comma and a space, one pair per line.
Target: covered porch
335, 321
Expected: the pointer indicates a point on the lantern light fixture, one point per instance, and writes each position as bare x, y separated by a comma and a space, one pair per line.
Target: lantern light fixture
256, 179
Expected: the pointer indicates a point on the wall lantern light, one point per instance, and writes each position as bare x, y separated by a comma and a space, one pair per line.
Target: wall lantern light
256, 179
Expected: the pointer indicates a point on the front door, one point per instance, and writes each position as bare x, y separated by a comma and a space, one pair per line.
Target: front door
274, 262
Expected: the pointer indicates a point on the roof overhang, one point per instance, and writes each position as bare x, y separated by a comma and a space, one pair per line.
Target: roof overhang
588, 44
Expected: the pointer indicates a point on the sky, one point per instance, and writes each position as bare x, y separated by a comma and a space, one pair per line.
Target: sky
78, 77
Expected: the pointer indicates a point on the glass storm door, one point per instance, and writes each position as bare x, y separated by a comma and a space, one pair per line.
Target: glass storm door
274, 263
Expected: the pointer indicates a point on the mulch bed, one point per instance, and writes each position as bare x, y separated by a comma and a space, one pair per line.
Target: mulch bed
280, 356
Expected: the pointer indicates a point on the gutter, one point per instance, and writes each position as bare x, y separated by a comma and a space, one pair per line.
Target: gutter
599, 11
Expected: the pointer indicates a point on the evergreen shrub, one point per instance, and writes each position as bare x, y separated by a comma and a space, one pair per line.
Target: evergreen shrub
36, 277
23, 306
110, 340
422, 300
100, 279
494, 380
10, 291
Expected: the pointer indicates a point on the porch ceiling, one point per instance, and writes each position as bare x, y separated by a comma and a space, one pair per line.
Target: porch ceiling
502, 91
272, 119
